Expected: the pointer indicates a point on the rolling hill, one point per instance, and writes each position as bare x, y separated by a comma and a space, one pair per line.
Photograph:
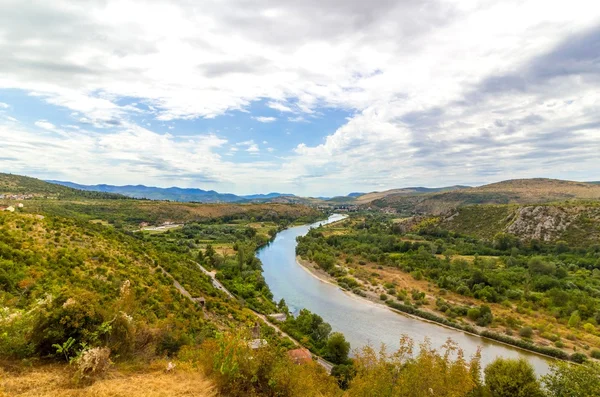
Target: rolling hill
407, 191
24, 185
172, 193
516, 191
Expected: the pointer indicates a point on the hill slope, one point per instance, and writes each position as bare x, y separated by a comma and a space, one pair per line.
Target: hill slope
578, 224
24, 185
407, 191
517, 191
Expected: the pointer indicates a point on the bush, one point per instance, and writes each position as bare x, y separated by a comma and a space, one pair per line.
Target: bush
579, 358
512, 378
473, 313
383, 297
66, 317
595, 354
482, 315
526, 332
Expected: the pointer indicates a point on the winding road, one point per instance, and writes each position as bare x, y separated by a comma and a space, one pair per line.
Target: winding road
217, 284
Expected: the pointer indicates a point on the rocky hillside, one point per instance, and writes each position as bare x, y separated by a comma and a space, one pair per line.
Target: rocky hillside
578, 224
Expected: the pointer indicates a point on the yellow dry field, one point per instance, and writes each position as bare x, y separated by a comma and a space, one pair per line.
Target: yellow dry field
55, 381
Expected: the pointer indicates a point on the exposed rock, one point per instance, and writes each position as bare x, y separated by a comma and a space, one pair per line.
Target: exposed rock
544, 223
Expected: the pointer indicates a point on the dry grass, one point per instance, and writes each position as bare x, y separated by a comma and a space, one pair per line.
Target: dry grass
55, 381
367, 198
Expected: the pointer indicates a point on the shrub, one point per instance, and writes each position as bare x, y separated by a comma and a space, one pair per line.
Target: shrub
473, 313
512, 378
463, 290
64, 317
579, 358
595, 354
526, 332
359, 292
588, 327
383, 297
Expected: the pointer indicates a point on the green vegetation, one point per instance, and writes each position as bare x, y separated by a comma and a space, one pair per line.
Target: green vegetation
573, 380
512, 378
23, 185
498, 284
64, 279
81, 287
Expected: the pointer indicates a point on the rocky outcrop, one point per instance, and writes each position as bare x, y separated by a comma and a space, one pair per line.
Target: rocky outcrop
545, 223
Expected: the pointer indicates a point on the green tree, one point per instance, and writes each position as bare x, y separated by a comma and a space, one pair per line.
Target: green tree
512, 378
337, 348
573, 380
574, 320
283, 307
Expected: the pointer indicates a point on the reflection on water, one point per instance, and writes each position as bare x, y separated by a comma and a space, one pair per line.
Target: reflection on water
363, 322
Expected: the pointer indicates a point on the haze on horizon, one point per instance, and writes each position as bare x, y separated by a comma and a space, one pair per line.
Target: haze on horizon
315, 98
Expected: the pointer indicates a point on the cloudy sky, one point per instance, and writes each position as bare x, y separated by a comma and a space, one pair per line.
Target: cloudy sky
313, 97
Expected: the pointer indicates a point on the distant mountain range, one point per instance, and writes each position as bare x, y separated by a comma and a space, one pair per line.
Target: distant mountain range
172, 193
404, 200
211, 196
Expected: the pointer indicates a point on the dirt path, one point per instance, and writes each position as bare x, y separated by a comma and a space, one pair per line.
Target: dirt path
215, 282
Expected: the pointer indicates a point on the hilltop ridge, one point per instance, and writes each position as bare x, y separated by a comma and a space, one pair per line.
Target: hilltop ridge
514, 191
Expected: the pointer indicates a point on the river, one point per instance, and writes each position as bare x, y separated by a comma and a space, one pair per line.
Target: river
361, 321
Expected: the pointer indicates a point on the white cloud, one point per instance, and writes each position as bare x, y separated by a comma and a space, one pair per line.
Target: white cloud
279, 106
431, 103
264, 119
4, 105
253, 148
297, 119
45, 125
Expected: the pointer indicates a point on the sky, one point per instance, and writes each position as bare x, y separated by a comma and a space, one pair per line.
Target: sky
308, 97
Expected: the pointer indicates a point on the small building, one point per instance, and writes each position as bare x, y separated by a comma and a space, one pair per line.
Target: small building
20, 205
300, 356
10, 208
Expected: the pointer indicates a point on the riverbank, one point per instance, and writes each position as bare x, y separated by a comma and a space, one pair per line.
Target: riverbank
432, 317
